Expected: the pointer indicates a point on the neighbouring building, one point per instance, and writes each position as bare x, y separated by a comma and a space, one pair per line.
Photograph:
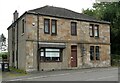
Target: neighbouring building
51, 38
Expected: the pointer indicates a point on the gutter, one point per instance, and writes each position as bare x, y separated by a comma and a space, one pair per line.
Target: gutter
85, 20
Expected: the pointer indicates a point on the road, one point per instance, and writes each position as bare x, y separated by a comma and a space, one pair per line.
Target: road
94, 74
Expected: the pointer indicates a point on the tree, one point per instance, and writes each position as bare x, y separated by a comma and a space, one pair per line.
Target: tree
108, 12
2, 39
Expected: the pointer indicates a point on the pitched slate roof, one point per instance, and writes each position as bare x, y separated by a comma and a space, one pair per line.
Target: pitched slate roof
64, 13
61, 13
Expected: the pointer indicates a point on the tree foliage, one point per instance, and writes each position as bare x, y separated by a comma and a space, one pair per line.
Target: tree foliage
2, 38
108, 12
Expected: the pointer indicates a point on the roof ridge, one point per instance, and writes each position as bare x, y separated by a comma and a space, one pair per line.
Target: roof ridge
38, 8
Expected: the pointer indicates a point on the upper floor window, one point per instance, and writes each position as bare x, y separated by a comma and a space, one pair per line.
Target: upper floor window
54, 27
73, 28
46, 26
23, 25
91, 30
94, 30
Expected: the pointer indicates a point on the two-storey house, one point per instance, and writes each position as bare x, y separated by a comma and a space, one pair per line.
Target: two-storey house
50, 38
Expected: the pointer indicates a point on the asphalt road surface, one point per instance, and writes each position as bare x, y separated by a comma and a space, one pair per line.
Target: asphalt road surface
94, 74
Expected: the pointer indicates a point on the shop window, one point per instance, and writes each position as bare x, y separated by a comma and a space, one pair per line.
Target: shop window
50, 54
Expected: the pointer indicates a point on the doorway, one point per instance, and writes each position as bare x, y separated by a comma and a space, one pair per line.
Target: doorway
74, 56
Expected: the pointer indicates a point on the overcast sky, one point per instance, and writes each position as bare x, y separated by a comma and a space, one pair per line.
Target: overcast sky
7, 7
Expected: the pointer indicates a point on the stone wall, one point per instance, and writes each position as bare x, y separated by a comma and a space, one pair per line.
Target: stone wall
64, 31
104, 57
64, 35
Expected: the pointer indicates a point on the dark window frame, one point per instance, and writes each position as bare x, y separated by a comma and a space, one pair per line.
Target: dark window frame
94, 53
97, 51
44, 58
74, 28
91, 30
23, 26
48, 25
55, 24
91, 53
97, 30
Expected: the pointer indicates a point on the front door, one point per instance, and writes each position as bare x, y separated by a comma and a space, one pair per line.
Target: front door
74, 56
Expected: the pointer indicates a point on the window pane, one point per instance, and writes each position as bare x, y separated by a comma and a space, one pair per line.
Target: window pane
54, 27
52, 54
96, 34
73, 28
52, 49
23, 26
96, 31
97, 53
46, 25
91, 52
91, 31
42, 53
46, 28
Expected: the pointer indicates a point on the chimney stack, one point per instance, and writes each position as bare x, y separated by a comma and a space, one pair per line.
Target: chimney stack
15, 15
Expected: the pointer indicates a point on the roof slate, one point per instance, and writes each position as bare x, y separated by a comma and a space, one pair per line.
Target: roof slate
65, 13
62, 13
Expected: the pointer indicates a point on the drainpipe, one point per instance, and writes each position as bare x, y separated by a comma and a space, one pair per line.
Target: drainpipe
38, 59
17, 47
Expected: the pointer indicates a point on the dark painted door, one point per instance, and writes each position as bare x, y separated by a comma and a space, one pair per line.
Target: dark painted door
73, 56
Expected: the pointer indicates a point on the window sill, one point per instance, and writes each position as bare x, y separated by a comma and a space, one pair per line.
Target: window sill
53, 34
22, 34
97, 37
92, 36
46, 33
50, 61
73, 35
94, 61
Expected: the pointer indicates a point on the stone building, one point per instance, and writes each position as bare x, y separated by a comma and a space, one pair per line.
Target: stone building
51, 38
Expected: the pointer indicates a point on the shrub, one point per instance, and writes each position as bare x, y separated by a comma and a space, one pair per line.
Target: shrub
4, 55
115, 60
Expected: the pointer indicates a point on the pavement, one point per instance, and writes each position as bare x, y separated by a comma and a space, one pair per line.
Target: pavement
92, 74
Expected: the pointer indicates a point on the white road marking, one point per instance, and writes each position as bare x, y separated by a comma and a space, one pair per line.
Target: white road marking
100, 78
39, 77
